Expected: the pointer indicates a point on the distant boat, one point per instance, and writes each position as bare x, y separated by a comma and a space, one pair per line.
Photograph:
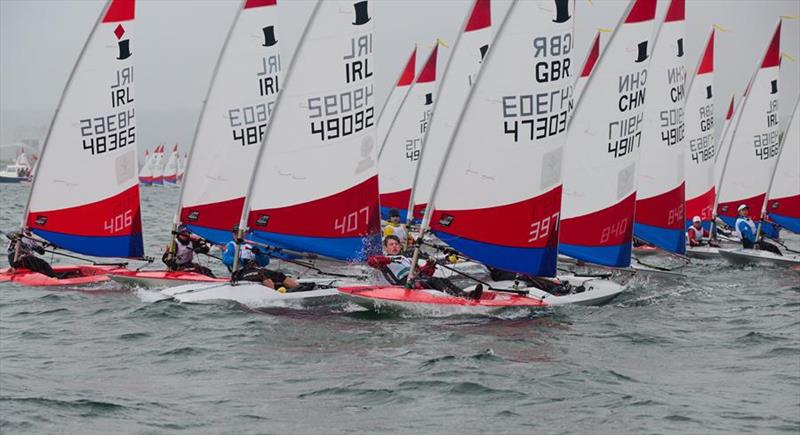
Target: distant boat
18, 171
171, 168
146, 173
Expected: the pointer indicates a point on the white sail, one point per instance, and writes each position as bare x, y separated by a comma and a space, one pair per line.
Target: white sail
171, 168
85, 197
240, 102
754, 147
660, 195
701, 139
396, 96
158, 165
398, 156
315, 187
604, 138
146, 173
462, 68
783, 204
498, 196
588, 66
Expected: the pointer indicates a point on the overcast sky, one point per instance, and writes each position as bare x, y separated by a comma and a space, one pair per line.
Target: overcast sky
178, 41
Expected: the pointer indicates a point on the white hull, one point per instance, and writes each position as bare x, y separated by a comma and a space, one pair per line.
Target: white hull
255, 295
417, 309
597, 291
151, 283
702, 252
742, 257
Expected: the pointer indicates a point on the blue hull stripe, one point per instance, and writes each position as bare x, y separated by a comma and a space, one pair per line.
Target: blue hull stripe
130, 246
670, 240
347, 249
614, 256
791, 224
530, 261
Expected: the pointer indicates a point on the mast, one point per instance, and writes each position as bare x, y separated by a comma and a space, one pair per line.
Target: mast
187, 164
251, 185
58, 109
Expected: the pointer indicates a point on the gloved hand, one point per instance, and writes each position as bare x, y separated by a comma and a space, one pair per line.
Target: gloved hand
378, 261
428, 269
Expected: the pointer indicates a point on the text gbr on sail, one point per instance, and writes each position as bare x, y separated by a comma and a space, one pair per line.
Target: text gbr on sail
542, 115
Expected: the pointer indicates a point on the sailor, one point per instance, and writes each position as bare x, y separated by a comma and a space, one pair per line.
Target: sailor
253, 264
248, 251
28, 248
696, 234
746, 229
396, 267
185, 246
395, 228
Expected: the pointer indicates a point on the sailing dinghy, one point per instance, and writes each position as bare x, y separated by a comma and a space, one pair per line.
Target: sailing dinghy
315, 184
509, 219
701, 149
85, 196
462, 68
171, 169
399, 154
146, 173
782, 204
238, 106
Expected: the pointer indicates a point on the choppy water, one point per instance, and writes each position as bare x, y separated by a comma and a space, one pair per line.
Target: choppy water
718, 352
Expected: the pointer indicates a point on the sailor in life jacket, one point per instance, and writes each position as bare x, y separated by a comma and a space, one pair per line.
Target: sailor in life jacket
247, 252
396, 267
745, 227
395, 228
185, 246
28, 248
696, 234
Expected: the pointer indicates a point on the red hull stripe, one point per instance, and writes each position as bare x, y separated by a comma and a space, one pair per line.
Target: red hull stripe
676, 11
217, 215
531, 223
642, 10
120, 10
773, 56
608, 227
754, 204
663, 211
707, 64
594, 54
408, 73
428, 73
259, 3
481, 16
702, 206
350, 213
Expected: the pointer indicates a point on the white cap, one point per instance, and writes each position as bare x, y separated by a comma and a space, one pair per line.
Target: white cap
696, 219
741, 207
